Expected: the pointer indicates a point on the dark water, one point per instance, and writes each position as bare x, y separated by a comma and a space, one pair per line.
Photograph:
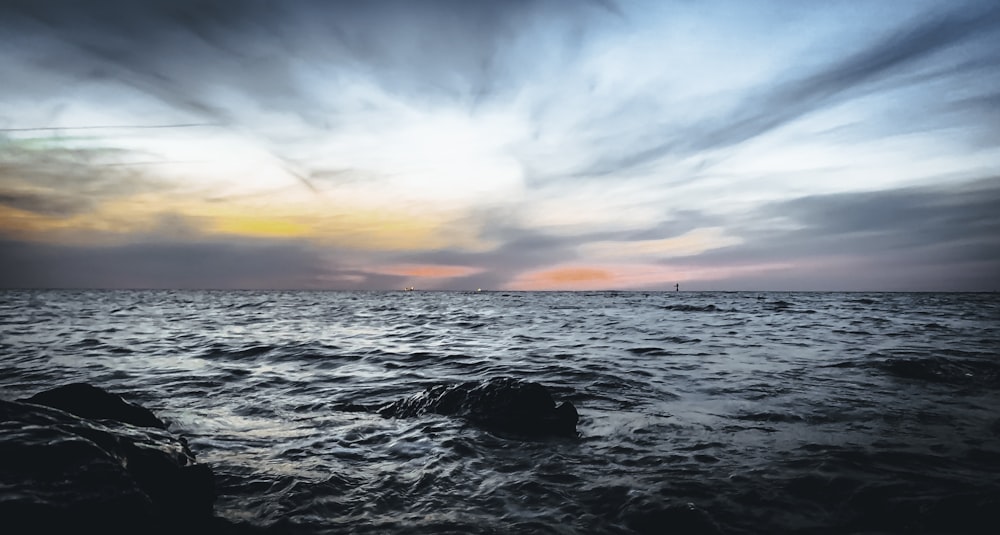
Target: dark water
758, 413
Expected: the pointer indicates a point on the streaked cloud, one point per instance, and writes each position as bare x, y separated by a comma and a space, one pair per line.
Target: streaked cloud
690, 243
531, 144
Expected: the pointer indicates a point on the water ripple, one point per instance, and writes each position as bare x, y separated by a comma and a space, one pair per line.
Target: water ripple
733, 412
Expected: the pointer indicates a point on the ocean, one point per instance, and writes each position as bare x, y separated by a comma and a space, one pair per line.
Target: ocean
738, 412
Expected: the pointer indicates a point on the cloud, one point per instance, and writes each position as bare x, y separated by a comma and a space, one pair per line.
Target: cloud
525, 257
65, 177
161, 265
197, 55
178, 260
428, 276
290, 75
917, 218
929, 237
45, 204
688, 244
565, 278
173, 251
478, 144
573, 275
428, 271
944, 238
636, 276
965, 36
851, 76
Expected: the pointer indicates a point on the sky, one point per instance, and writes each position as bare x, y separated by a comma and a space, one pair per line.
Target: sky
506, 145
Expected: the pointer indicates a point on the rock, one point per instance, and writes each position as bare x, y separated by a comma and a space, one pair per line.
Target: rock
60, 472
505, 404
88, 401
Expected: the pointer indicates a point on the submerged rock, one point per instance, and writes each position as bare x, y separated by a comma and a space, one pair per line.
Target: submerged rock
120, 472
502, 404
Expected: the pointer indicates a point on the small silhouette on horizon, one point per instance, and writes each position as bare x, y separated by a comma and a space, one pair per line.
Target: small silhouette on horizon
677, 287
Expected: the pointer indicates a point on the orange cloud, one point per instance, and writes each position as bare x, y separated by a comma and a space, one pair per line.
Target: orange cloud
564, 275
565, 278
633, 276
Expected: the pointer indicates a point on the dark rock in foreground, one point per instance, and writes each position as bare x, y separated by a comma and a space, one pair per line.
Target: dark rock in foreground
88, 401
503, 404
121, 472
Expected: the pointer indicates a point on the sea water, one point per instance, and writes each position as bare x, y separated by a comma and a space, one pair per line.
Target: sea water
748, 412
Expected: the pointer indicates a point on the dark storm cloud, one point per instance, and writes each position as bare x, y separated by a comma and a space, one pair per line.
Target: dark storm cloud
886, 64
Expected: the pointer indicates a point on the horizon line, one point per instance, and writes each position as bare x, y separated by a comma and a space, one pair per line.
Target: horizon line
437, 290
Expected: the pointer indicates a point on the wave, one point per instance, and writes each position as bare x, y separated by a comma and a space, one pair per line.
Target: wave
869, 413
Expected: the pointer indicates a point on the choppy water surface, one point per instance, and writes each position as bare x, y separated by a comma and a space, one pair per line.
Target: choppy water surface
760, 413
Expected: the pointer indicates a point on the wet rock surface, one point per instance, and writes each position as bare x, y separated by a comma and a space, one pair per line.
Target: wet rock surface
503, 404
118, 471
88, 401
